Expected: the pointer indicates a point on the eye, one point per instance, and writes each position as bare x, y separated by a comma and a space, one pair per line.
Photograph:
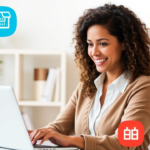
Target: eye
103, 44
89, 44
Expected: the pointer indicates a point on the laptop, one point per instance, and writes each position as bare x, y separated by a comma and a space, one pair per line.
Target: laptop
13, 132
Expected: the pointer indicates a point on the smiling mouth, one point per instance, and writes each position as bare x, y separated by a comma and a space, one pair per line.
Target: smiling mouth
101, 60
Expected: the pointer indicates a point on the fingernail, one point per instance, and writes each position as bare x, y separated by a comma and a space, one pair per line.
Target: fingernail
41, 142
33, 142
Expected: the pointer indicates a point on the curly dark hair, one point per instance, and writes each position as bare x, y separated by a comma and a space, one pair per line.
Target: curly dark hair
126, 27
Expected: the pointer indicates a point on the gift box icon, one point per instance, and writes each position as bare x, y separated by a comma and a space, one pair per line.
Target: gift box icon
5, 19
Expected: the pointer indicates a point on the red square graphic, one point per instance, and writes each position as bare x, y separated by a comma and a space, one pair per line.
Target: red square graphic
131, 133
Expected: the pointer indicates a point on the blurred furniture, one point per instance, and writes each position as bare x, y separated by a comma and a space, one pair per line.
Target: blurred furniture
17, 70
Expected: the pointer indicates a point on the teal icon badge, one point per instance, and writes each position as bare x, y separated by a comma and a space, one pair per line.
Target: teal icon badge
8, 21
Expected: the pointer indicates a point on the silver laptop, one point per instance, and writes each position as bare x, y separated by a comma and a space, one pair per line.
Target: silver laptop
13, 132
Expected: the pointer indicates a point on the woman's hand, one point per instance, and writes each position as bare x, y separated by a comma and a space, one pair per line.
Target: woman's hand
47, 133
37, 134
59, 139
56, 138
64, 140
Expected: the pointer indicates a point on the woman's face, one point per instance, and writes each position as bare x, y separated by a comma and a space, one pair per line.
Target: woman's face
104, 49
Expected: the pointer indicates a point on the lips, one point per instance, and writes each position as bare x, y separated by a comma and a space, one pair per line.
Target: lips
100, 60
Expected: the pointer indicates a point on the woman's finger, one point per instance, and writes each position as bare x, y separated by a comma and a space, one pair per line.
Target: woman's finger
38, 136
29, 131
53, 141
47, 136
33, 134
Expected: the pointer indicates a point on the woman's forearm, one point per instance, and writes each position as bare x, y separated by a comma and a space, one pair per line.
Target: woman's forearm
77, 141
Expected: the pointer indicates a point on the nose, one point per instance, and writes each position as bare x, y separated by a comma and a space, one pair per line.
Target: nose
96, 50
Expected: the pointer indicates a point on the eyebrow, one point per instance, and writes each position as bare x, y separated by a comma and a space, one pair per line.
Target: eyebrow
98, 39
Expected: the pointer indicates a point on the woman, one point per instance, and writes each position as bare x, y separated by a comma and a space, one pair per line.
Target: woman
112, 52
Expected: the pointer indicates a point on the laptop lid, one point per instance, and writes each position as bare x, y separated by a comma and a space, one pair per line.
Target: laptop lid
13, 133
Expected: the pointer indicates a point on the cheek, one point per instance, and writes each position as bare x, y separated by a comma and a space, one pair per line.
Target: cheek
107, 51
110, 51
113, 52
89, 52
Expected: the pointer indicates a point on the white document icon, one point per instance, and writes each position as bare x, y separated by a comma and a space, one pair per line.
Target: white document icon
4, 19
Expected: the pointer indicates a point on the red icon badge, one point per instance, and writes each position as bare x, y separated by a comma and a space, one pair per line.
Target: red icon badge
131, 133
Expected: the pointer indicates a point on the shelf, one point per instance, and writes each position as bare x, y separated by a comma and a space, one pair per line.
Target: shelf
31, 52
17, 71
37, 103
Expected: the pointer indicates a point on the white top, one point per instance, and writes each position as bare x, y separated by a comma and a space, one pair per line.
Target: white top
113, 90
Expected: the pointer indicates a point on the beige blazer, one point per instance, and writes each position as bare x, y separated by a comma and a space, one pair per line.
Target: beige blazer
133, 104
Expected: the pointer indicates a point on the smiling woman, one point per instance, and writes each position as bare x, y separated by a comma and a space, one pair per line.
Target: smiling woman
124, 25
112, 52
104, 49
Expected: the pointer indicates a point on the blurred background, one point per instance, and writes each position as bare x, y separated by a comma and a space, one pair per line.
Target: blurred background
47, 25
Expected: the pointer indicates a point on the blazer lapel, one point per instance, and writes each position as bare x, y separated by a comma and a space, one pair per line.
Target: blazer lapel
106, 112
90, 101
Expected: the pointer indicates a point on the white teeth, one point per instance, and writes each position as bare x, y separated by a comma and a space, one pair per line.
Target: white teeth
98, 61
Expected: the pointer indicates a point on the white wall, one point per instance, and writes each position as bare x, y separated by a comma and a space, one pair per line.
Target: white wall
48, 24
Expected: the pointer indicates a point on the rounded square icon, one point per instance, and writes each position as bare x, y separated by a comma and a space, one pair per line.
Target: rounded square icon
131, 133
8, 21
